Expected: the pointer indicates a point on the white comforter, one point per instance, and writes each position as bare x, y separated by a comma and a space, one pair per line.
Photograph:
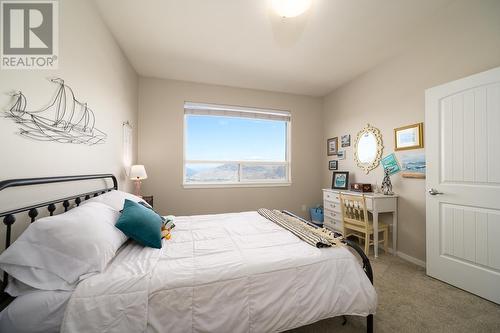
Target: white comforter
221, 273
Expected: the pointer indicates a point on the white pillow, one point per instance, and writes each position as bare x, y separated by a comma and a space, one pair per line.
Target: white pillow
38, 279
40, 311
115, 199
64, 247
17, 288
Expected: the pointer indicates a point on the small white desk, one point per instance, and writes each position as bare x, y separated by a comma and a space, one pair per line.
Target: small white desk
375, 203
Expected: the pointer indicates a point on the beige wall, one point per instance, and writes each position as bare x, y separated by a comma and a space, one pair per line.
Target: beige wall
94, 66
462, 41
161, 116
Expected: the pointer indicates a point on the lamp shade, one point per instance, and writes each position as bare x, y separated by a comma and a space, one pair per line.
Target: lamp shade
138, 172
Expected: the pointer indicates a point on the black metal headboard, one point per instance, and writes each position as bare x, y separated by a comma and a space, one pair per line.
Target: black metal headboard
9, 216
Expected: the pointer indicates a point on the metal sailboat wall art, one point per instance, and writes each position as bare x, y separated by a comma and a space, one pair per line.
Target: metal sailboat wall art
64, 120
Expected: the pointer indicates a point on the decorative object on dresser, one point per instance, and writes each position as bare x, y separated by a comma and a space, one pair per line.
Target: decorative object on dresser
409, 137
333, 165
138, 173
332, 146
368, 148
356, 223
340, 180
413, 165
391, 163
361, 187
345, 140
386, 183
148, 199
64, 120
375, 203
341, 154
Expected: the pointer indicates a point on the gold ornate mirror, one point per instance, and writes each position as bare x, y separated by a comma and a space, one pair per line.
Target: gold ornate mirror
368, 148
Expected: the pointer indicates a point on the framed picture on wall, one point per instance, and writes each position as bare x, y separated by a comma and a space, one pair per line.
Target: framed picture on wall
346, 140
390, 163
413, 165
333, 165
340, 180
409, 137
332, 146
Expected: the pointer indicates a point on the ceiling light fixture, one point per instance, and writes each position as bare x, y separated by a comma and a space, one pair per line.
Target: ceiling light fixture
290, 8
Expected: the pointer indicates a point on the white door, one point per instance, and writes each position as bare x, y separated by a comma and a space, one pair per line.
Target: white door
463, 183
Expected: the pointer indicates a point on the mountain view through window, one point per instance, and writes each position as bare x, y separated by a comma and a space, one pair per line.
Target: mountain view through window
234, 150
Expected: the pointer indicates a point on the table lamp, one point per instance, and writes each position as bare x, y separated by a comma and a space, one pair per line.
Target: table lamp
138, 173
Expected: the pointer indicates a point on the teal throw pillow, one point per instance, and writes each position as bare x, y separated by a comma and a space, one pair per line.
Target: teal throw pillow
141, 224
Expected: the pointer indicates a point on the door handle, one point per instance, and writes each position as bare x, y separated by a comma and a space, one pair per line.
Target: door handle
433, 191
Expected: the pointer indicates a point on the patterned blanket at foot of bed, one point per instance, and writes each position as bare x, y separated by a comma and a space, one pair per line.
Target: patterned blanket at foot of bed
318, 237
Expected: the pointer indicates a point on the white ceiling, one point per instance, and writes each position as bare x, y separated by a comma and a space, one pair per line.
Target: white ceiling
242, 43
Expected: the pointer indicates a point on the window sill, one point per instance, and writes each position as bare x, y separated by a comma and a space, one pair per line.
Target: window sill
230, 185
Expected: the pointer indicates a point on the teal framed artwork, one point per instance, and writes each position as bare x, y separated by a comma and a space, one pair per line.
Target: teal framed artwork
391, 163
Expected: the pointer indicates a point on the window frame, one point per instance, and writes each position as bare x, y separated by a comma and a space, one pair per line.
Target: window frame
241, 183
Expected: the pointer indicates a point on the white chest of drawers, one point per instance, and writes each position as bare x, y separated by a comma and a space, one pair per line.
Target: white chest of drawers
332, 211
375, 203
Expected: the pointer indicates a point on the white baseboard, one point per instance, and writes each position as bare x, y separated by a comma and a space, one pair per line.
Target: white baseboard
409, 258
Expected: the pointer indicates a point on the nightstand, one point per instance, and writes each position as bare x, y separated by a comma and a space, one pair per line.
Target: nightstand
148, 199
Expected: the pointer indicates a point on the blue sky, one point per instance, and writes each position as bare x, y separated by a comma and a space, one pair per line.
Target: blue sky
226, 138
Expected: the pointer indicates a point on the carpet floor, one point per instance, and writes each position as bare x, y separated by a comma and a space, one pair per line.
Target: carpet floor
411, 301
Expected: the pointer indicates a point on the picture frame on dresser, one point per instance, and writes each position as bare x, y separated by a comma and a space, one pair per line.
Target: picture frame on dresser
340, 180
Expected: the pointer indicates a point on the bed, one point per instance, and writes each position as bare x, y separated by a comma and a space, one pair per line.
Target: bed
236, 272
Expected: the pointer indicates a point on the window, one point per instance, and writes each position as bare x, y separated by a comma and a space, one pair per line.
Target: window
235, 146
